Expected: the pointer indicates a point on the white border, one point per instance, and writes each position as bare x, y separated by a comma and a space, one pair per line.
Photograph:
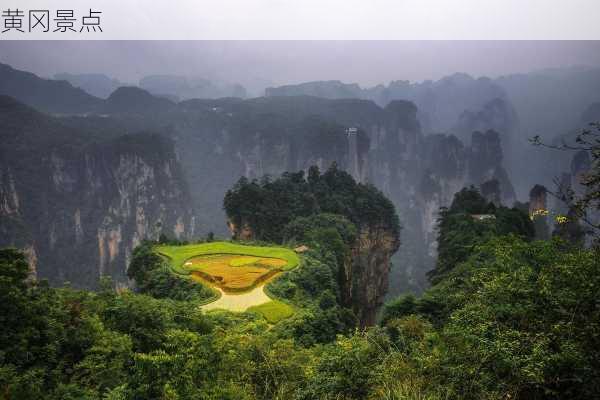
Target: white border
326, 19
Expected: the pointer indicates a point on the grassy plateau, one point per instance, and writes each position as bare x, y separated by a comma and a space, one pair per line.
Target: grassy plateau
238, 271
179, 255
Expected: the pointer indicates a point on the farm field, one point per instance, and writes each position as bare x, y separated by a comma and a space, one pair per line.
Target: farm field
234, 273
238, 272
178, 255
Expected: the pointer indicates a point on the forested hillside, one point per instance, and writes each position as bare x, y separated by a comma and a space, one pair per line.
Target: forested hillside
216, 141
325, 242
507, 318
298, 209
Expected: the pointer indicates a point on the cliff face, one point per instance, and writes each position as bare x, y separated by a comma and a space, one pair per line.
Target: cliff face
364, 280
217, 141
440, 103
221, 140
485, 163
538, 199
367, 273
143, 196
538, 211
242, 231
79, 208
497, 115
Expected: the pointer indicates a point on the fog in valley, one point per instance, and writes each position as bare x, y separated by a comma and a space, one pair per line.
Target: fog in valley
284, 219
259, 64
430, 119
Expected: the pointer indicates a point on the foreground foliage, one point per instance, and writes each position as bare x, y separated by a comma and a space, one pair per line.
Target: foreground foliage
460, 231
517, 319
506, 318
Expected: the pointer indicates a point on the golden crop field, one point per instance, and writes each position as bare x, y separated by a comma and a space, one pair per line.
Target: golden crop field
238, 271
234, 272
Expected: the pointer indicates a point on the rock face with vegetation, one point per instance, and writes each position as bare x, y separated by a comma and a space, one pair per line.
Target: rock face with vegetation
538, 211
217, 141
469, 221
286, 210
80, 202
506, 316
369, 269
440, 103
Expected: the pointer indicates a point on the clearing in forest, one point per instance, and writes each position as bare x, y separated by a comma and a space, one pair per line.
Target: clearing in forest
238, 272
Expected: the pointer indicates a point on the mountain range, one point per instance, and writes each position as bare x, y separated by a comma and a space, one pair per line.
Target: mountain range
108, 172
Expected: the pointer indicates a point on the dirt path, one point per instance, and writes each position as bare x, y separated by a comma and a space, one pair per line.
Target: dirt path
238, 301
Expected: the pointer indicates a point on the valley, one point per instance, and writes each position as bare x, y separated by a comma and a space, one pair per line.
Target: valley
381, 240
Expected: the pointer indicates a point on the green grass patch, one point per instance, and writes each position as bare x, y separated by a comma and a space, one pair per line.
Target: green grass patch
273, 311
243, 260
178, 255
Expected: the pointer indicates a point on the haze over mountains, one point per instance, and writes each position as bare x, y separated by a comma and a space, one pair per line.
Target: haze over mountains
547, 102
417, 142
174, 87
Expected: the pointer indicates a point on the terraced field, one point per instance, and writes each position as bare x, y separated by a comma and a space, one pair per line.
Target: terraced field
238, 272
234, 273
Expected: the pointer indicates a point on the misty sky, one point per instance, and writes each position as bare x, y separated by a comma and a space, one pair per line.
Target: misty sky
256, 64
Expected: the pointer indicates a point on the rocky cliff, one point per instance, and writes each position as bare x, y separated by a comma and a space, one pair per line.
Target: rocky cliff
539, 213
367, 273
351, 219
497, 115
440, 103
364, 281
217, 141
79, 205
220, 140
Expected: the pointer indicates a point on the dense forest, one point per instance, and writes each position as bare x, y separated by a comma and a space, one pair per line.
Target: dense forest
266, 206
381, 241
506, 316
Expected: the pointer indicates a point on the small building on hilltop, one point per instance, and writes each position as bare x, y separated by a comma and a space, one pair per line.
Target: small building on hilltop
483, 217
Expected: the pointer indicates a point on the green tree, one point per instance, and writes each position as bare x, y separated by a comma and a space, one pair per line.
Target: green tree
583, 205
471, 221
524, 322
267, 206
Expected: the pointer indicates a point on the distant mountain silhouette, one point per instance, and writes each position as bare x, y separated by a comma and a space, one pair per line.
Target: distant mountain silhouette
45, 94
183, 88
130, 99
98, 85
